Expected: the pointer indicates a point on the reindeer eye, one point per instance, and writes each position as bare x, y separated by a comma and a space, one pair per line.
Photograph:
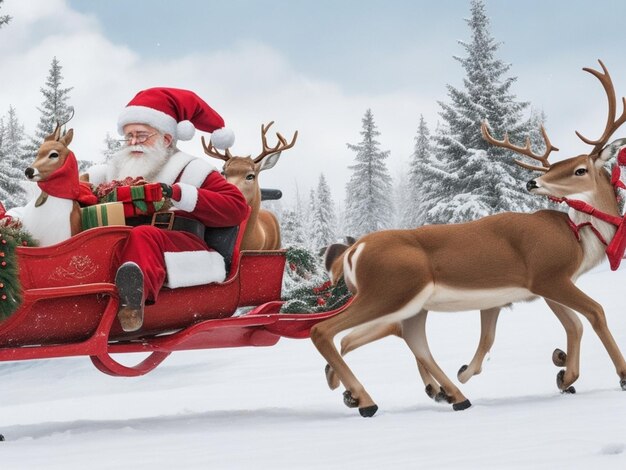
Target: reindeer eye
53, 155
580, 171
250, 177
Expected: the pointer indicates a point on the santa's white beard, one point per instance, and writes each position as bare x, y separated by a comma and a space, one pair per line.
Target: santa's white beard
148, 164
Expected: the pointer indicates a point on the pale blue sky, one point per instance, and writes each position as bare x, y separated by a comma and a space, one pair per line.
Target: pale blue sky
366, 45
311, 66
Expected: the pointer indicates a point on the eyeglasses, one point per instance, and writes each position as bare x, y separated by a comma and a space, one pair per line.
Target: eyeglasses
138, 138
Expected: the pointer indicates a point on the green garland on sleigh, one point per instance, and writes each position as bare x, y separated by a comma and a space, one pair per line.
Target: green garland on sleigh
10, 289
307, 287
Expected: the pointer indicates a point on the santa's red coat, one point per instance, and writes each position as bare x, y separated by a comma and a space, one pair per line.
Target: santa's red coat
199, 192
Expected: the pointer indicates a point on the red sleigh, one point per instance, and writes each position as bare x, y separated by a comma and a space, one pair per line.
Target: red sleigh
70, 305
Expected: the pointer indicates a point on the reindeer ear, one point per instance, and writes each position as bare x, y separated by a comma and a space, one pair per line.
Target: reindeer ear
611, 150
67, 137
268, 161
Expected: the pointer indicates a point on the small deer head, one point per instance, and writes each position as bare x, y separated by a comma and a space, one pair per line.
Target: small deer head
51, 155
243, 172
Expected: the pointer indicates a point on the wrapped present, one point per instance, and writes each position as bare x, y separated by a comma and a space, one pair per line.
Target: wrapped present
145, 199
100, 215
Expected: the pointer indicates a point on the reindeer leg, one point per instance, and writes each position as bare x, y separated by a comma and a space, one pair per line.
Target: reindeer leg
573, 330
414, 333
360, 336
366, 334
488, 320
567, 294
322, 335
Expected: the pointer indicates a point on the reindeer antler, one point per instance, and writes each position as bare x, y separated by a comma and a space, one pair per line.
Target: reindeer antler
526, 150
211, 151
279, 147
611, 124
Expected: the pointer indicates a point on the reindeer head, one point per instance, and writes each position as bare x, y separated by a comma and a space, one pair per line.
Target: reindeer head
576, 177
51, 155
243, 172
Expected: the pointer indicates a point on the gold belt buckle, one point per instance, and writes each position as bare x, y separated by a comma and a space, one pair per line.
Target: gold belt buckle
164, 220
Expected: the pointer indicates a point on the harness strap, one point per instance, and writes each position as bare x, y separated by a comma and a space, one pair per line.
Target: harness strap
576, 229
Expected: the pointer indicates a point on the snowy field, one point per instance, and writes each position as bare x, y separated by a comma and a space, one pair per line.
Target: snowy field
270, 408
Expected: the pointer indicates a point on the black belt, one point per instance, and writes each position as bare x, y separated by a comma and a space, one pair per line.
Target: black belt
170, 221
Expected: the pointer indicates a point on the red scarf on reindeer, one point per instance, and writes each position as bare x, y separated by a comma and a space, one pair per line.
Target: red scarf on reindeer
616, 248
64, 183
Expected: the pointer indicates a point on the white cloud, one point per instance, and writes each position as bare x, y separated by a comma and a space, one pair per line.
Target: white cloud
248, 84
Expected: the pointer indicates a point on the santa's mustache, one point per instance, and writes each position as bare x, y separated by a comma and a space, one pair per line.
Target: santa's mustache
135, 148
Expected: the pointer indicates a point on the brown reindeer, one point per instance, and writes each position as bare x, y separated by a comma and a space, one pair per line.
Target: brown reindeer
55, 214
262, 231
399, 275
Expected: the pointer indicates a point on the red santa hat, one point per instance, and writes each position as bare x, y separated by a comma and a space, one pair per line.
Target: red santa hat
178, 113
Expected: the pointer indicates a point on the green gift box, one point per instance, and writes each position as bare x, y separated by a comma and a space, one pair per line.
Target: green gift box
100, 215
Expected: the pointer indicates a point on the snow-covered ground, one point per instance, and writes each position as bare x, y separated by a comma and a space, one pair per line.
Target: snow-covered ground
258, 408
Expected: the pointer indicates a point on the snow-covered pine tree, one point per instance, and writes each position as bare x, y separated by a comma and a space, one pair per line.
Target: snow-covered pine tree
54, 109
111, 147
4, 19
426, 178
307, 216
291, 229
401, 199
485, 179
324, 219
11, 167
368, 199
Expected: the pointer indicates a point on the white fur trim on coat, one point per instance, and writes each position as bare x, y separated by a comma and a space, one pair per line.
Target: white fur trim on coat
188, 197
194, 268
194, 171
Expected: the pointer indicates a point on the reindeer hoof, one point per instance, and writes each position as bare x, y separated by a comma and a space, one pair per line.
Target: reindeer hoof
349, 400
461, 370
464, 405
440, 396
622, 384
331, 377
368, 411
559, 357
559, 383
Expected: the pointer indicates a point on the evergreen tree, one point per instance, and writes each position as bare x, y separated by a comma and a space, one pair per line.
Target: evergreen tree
308, 215
368, 200
111, 147
4, 19
54, 109
11, 168
401, 200
323, 216
426, 178
485, 180
292, 230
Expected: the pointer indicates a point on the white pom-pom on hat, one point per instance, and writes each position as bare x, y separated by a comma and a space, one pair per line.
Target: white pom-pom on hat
223, 138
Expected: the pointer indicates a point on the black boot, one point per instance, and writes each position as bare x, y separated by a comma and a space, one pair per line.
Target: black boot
129, 283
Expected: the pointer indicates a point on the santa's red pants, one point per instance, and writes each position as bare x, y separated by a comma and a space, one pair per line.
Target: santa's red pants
145, 246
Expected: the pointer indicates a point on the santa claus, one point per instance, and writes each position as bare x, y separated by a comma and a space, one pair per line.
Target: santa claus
152, 123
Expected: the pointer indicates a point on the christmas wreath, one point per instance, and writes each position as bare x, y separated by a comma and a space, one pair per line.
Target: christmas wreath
307, 287
10, 289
